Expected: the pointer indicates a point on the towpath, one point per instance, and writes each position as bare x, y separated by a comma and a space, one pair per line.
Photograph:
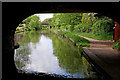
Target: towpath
102, 53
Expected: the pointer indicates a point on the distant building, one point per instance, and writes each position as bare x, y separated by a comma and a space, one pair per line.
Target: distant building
45, 23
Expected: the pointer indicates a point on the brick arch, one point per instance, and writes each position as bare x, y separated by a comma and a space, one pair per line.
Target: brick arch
14, 13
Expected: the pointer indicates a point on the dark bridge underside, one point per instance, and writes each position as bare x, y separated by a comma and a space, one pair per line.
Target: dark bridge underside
14, 13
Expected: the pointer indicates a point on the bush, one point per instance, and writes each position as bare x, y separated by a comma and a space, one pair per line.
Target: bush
28, 28
70, 27
83, 45
62, 27
103, 26
82, 27
18, 28
62, 32
116, 45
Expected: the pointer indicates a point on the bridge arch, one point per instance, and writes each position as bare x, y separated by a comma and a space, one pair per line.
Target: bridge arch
14, 13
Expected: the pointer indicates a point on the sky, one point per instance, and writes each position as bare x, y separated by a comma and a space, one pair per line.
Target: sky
44, 16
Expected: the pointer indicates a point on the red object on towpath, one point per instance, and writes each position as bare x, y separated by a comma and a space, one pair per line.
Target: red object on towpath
117, 32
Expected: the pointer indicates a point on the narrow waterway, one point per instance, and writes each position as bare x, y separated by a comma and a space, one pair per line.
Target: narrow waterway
46, 52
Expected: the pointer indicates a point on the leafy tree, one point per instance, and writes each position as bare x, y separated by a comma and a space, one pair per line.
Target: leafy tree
27, 20
61, 20
105, 25
49, 20
33, 22
70, 27
83, 22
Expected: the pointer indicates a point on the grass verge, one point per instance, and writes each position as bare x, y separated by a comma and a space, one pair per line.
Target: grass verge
98, 37
82, 42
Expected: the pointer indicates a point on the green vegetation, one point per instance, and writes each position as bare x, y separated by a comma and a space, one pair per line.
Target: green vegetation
29, 24
29, 36
82, 42
91, 25
94, 36
65, 20
116, 45
98, 26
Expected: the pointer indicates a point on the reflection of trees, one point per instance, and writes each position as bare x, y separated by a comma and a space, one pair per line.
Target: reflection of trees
17, 39
68, 56
22, 53
34, 36
22, 56
88, 68
30, 37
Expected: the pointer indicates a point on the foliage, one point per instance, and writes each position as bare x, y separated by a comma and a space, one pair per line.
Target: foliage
33, 22
48, 20
83, 45
116, 45
27, 20
82, 42
62, 32
28, 28
62, 28
20, 25
88, 18
95, 23
18, 28
64, 20
102, 26
45, 27
70, 27
82, 28
94, 36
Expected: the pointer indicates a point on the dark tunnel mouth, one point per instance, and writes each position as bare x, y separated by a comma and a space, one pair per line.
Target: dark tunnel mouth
56, 12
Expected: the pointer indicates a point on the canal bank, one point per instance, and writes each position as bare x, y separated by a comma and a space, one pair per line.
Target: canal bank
101, 55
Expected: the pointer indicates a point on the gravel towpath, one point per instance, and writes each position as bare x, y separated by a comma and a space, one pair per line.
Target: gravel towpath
107, 58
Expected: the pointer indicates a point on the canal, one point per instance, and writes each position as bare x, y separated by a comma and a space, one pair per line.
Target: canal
46, 52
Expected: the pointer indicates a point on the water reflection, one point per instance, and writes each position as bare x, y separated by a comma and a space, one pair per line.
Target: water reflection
22, 57
50, 53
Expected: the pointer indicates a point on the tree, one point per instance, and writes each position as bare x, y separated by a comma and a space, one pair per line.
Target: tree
27, 20
61, 20
33, 22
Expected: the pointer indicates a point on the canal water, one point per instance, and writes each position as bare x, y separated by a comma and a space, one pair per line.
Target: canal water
46, 52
